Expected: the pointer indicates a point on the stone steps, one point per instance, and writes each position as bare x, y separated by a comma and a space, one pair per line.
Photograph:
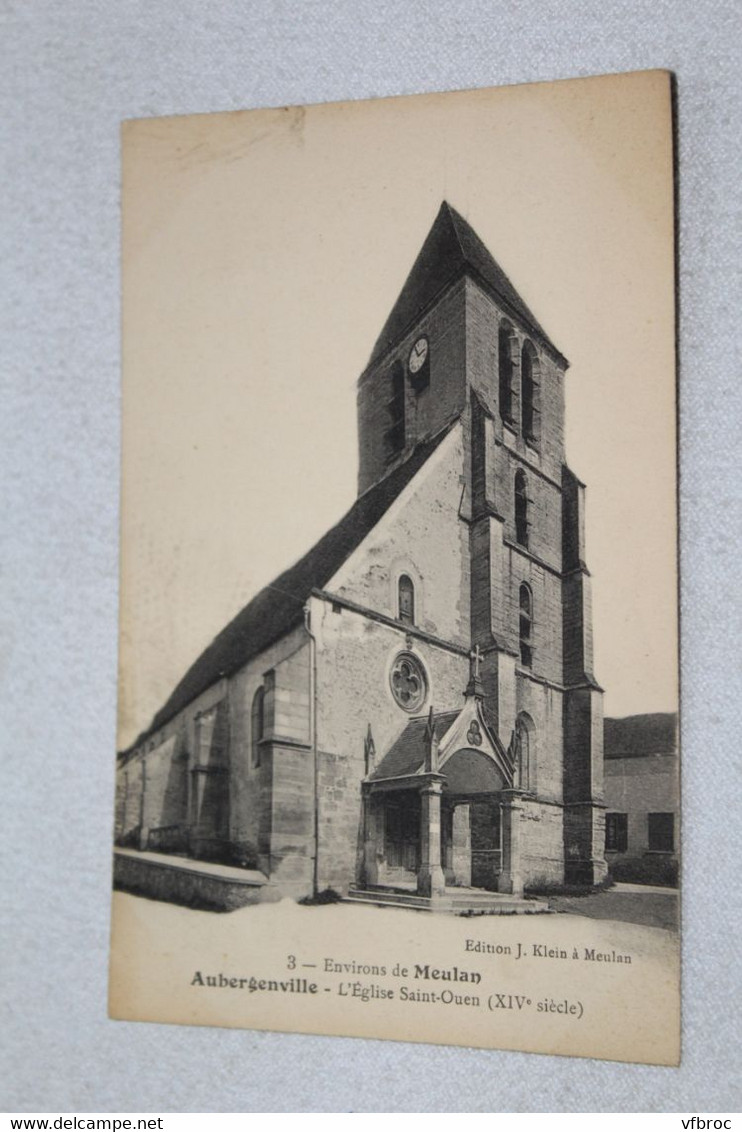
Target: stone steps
388, 899
455, 902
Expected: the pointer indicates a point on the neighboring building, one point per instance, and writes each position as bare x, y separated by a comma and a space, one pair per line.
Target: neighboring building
642, 797
412, 702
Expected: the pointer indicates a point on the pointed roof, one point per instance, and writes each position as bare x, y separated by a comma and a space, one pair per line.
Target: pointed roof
279, 606
407, 753
451, 248
452, 732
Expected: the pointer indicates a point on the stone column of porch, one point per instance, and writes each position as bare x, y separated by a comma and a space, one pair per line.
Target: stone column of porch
373, 839
430, 879
511, 877
462, 845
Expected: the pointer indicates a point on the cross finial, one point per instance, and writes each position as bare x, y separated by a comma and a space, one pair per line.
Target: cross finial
474, 687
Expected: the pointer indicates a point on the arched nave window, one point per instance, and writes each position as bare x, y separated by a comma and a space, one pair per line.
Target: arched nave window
257, 728
406, 600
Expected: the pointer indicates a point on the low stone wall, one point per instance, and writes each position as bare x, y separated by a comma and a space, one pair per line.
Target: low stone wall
651, 868
196, 884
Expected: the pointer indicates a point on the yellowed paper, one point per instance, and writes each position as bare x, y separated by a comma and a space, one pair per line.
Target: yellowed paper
399, 592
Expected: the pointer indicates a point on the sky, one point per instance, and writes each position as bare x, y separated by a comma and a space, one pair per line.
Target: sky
262, 253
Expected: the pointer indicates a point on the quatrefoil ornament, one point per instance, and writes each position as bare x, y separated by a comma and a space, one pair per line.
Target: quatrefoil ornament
474, 734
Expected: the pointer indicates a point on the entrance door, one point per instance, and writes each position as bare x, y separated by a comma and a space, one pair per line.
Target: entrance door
402, 832
486, 848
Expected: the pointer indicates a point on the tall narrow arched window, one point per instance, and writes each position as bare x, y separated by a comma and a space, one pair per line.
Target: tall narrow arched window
525, 734
505, 371
530, 394
525, 629
521, 508
406, 600
257, 728
396, 432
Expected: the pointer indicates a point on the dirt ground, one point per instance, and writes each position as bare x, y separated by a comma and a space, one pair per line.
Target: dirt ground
654, 909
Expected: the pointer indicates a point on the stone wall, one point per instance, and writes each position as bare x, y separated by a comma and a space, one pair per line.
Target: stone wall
584, 814
483, 318
157, 781
355, 656
542, 839
422, 536
272, 783
577, 592
544, 507
426, 411
129, 802
163, 878
166, 795
578, 633
639, 787
211, 785
291, 856
208, 834
546, 614
583, 745
544, 706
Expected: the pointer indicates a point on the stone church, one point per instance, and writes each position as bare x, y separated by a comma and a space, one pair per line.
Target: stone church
411, 707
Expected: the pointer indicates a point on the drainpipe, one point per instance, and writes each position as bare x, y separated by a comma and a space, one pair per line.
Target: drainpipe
313, 739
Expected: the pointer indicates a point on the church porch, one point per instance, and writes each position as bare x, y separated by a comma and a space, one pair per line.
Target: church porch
441, 812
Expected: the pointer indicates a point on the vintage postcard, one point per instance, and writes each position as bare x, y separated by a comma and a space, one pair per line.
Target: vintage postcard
398, 744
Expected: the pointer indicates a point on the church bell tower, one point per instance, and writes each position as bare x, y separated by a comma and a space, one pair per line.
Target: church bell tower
460, 343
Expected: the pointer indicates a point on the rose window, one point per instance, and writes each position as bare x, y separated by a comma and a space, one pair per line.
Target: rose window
408, 682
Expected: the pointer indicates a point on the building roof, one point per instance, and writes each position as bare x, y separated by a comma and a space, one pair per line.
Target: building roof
637, 736
451, 248
407, 754
279, 606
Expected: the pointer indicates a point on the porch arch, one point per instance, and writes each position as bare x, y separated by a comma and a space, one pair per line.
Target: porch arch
468, 772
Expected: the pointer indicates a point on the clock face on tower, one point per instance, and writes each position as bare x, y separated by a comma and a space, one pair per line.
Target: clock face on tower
418, 355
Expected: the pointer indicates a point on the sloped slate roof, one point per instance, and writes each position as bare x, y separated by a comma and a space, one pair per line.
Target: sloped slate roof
636, 736
279, 606
407, 754
452, 246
